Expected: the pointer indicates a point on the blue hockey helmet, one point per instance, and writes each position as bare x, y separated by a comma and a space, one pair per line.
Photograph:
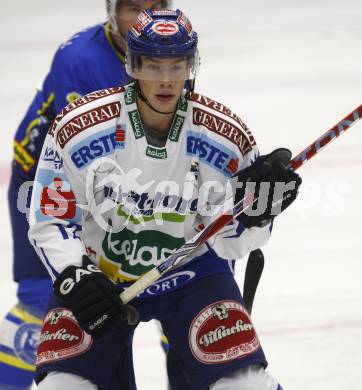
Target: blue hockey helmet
162, 34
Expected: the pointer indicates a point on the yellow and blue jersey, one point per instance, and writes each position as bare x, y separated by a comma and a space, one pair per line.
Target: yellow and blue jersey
88, 61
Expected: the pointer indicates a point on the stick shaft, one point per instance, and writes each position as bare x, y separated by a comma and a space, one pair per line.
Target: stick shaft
326, 138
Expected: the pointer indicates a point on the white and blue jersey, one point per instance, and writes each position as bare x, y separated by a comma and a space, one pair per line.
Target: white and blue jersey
102, 189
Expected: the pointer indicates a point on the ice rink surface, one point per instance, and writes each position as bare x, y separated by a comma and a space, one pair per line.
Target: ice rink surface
291, 69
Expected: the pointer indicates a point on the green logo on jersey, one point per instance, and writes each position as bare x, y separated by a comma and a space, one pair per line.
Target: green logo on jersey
176, 127
169, 217
139, 252
136, 123
182, 104
156, 152
130, 96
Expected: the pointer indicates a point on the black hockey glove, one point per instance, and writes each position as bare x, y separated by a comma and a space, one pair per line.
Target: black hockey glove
94, 300
270, 168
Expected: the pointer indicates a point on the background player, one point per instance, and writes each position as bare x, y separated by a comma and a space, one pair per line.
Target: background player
92, 59
152, 131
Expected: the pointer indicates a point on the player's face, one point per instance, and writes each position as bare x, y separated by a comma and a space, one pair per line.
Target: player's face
128, 11
162, 81
162, 69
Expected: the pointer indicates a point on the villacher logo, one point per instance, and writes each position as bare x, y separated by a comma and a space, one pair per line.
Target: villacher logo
61, 337
222, 332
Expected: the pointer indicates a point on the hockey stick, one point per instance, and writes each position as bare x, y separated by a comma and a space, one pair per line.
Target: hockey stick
224, 219
255, 264
254, 269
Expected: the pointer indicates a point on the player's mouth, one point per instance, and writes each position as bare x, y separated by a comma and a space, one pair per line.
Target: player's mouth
165, 98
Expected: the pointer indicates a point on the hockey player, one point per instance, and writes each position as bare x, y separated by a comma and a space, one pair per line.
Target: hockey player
92, 59
139, 169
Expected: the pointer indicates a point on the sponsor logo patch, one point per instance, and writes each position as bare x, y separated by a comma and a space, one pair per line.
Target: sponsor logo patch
87, 119
58, 202
55, 197
223, 128
143, 19
61, 337
156, 152
183, 20
91, 97
52, 155
139, 208
164, 12
182, 104
130, 96
165, 28
136, 123
207, 102
168, 284
222, 332
212, 153
176, 127
99, 144
120, 135
137, 253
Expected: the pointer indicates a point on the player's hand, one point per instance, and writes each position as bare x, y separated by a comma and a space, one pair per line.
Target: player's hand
270, 168
94, 299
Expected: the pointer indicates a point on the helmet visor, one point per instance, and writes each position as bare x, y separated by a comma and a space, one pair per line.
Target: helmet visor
161, 68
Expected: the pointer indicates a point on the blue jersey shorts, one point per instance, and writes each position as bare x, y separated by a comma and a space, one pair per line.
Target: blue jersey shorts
209, 331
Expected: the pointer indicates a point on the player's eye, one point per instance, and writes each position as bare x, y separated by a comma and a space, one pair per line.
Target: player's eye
153, 67
177, 68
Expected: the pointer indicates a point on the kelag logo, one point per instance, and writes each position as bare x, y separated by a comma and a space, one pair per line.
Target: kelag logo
100, 144
138, 252
212, 153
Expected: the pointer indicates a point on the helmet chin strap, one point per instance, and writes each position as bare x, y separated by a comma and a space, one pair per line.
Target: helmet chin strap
145, 100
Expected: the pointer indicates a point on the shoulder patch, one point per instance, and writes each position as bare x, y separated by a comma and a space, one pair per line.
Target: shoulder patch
225, 129
87, 119
219, 107
91, 97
